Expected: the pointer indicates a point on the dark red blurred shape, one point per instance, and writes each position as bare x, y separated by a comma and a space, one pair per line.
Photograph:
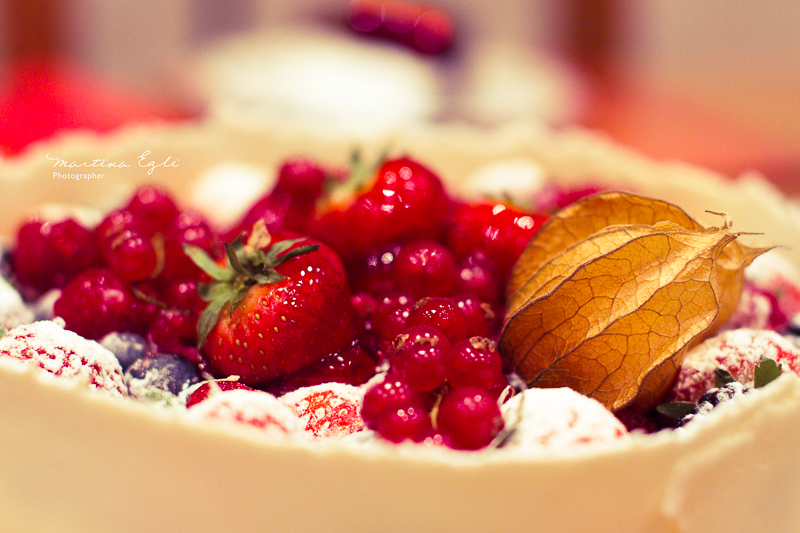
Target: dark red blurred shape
419, 26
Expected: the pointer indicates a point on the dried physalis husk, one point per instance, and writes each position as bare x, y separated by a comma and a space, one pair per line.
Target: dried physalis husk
612, 290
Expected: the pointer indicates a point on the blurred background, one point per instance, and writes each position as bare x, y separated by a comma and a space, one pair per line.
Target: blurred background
711, 82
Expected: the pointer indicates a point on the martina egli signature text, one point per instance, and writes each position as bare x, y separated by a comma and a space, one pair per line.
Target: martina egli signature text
143, 161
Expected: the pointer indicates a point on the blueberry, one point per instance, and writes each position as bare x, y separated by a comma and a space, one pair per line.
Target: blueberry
714, 397
161, 372
128, 347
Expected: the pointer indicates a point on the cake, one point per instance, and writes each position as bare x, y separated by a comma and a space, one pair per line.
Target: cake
75, 459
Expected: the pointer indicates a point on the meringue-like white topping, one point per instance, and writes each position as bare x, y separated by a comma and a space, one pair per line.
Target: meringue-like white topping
558, 420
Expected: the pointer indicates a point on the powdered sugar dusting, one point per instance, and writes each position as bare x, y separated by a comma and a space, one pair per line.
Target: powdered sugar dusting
256, 409
558, 419
328, 410
13, 311
65, 354
737, 351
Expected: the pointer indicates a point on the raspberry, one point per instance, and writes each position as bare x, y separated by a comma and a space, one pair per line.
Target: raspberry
49, 254
153, 208
329, 410
302, 179
172, 328
96, 303
67, 355
113, 225
131, 256
192, 229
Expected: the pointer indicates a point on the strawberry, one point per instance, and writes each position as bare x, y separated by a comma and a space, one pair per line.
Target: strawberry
499, 231
329, 410
400, 202
274, 308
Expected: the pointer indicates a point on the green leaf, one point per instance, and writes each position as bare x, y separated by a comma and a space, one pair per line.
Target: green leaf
3, 331
300, 250
271, 254
269, 277
235, 262
238, 296
216, 290
207, 264
238, 244
766, 371
676, 410
722, 377
208, 319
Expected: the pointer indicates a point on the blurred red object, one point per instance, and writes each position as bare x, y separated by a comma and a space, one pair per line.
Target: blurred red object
419, 26
41, 97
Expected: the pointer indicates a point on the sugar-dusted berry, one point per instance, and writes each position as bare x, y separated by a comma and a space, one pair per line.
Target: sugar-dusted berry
329, 410
162, 372
738, 352
65, 354
127, 347
250, 409
558, 420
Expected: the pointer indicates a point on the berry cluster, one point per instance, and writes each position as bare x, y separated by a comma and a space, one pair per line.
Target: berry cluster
128, 274
329, 276
438, 387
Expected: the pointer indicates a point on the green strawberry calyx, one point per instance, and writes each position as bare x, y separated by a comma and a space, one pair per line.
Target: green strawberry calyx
246, 265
